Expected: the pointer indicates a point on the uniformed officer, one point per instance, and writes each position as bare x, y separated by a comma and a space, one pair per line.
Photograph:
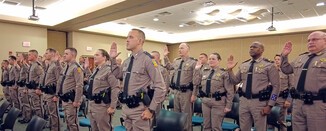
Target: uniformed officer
33, 81
216, 92
139, 72
284, 100
309, 104
5, 79
13, 77
182, 81
71, 88
49, 87
203, 61
165, 74
102, 92
22, 89
260, 88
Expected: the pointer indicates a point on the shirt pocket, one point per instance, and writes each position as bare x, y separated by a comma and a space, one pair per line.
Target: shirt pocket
261, 73
244, 72
138, 73
187, 69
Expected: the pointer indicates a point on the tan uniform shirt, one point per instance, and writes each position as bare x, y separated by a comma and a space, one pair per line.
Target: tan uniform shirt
105, 79
219, 82
23, 73
316, 73
143, 74
264, 73
5, 75
35, 73
166, 75
14, 73
52, 74
73, 81
187, 71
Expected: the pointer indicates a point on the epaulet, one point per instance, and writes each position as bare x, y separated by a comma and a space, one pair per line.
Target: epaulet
78, 65
304, 53
246, 61
206, 68
268, 60
223, 69
191, 58
149, 55
177, 58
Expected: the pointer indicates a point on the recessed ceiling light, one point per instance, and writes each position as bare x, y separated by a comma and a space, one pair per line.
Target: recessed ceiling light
320, 4
181, 25
156, 19
209, 3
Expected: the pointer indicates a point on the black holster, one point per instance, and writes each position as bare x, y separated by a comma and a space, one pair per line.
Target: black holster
294, 93
218, 96
70, 95
104, 95
240, 92
322, 93
308, 98
32, 85
11, 83
266, 93
49, 89
284, 94
21, 83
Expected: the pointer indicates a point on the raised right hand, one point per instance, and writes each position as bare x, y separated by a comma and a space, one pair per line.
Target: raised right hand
287, 48
231, 64
166, 51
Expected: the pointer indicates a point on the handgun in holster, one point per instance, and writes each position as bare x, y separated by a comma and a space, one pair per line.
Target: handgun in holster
266, 93
50, 89
285, 93
322, 93
308, 98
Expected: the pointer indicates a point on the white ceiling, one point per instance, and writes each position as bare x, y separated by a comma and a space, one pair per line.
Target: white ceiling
284, 10
289, 16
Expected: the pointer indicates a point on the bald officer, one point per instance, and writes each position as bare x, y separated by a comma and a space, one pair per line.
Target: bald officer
309, 94
33, 81
71, 88
182, 81
260, 88
102, 92
138, 73
49, 87
13, 77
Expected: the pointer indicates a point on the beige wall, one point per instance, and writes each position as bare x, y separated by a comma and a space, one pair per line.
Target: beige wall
57, 40
12, 36
81, 40
239, 47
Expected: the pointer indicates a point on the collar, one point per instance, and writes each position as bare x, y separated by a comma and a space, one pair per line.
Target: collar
257, 60
319, 53
136, 55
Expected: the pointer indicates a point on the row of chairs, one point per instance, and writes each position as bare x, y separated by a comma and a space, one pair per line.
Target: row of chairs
36, 124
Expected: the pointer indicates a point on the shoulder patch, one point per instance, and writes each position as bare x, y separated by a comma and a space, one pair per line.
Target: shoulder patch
149, 55
246, 61
304, 53
79, 69
268, 60
154, 63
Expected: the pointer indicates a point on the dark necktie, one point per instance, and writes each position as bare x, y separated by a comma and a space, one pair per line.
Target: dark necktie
249, 80
91, 81
63, 79
45, 73
302, 78
179, 74
127, 78
208, 82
